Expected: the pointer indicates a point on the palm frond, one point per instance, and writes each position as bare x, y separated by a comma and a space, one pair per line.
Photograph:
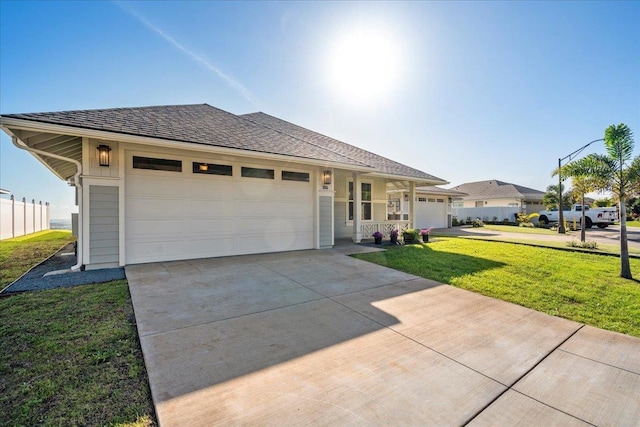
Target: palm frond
618, 141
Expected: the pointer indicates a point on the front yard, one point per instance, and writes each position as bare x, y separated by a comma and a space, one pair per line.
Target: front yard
71, 356
579, 286
68, 356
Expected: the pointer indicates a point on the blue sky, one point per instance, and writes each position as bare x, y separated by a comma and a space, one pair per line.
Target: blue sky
466, 91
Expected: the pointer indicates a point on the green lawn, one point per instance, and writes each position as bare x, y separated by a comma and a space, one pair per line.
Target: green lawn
18, 255
71, 357
578, 286
68, 356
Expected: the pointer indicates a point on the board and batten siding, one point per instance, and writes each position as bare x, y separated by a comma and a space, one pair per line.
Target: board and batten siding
326, 214
103, 225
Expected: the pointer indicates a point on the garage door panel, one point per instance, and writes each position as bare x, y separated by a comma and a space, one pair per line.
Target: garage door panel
156, 250
145, 186
149, 227
212, 188
271, 242
249, 227
431, 214
294, 193
257, 189
212, 247
220, 226
212, 208
294, 210
155, 208
172, 216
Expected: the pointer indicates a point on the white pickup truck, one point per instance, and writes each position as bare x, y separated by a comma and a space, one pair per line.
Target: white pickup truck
602, 217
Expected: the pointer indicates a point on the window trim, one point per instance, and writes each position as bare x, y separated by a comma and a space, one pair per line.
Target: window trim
350, 200
211, 169
246, 169
177, 164
294, 174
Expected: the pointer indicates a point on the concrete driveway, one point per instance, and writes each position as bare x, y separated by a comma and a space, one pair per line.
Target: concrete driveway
319, 338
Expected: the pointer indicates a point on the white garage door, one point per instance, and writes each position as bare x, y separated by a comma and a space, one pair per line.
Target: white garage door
173, 215
431, 212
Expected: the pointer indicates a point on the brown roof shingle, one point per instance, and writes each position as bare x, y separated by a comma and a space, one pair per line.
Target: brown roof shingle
207, 125
494, 189
380, 163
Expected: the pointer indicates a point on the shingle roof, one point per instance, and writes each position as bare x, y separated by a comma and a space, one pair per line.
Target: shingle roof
494, 189
381, 164
207, 125
198, 124
437, 190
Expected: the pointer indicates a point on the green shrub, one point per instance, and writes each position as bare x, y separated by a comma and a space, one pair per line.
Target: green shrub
584, 245
410, 235
477, 223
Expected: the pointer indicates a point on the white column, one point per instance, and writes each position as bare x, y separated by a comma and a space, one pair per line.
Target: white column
357, 208
412, 204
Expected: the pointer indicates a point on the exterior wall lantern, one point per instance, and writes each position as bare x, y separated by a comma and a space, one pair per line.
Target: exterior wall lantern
326, 177
103, 155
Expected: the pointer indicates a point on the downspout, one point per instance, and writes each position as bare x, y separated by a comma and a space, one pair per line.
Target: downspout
76, 182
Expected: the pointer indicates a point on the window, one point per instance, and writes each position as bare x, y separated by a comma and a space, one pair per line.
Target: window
457, 204
431, 200
295, 176
422, 199
211, 169
350, 216
257, 173
157, 164
479, 204
366, 205
366, 201
440, 200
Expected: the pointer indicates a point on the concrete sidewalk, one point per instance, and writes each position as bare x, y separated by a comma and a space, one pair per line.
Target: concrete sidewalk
316, 337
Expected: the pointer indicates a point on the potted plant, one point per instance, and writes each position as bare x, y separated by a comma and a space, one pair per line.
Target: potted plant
425, 235
394, 236
378, 237
410, 235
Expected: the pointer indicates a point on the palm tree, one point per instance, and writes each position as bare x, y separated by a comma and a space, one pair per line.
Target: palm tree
582, 185
550, 198
616, 172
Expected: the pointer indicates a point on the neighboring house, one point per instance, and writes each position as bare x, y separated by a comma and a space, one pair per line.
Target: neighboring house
193, 181
494, 193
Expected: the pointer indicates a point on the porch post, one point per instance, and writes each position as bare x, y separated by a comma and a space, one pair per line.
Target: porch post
412, 203
357, 208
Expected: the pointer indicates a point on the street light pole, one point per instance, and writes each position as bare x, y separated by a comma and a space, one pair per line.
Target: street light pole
561, 228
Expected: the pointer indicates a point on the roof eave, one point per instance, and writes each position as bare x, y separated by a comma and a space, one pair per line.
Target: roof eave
6, 122
37, 156
420, 181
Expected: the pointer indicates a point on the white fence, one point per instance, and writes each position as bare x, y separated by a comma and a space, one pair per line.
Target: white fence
18, 218
486, 214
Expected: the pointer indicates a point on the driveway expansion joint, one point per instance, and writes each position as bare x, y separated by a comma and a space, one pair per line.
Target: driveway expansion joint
517, 380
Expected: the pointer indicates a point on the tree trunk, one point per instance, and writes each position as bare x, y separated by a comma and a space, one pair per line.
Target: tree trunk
583, 226
625, 267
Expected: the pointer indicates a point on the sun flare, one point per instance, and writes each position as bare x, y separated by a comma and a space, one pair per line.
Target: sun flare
364, 65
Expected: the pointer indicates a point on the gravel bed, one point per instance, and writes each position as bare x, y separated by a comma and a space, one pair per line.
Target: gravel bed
64, 259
